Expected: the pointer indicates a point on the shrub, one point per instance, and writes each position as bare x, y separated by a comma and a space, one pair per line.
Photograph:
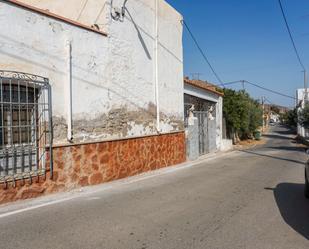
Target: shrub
243, 114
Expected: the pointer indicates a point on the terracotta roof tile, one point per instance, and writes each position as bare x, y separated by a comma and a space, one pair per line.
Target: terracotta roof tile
203, 85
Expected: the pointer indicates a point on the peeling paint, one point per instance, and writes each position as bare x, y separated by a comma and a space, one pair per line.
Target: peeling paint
117, 123
31, 19
56, 27
113, 86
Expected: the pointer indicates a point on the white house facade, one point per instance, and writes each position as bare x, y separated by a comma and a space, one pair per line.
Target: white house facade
109, 75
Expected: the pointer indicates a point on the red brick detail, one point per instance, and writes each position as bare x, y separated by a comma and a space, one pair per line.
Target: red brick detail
90, 164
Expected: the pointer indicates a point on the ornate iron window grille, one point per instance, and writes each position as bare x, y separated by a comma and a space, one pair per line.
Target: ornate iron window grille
25, 126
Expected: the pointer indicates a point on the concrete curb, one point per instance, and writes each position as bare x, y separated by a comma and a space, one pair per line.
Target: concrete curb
17, 207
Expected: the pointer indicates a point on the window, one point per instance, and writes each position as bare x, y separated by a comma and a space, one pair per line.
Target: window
25, 125
18, 115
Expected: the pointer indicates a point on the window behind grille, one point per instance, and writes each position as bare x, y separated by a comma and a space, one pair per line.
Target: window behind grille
25, 125
18, 114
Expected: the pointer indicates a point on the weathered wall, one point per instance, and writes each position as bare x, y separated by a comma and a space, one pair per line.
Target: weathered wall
192, 139
209, 96
226, 144
89, 164
113, 78
219, 123
170, 52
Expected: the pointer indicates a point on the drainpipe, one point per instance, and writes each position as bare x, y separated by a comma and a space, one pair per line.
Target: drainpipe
69, 91
156, 64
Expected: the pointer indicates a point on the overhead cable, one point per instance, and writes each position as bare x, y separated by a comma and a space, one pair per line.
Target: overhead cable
269, 90
259, 86
202, 52
291, 36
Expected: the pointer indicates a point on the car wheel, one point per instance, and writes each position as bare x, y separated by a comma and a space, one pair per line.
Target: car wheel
306, 186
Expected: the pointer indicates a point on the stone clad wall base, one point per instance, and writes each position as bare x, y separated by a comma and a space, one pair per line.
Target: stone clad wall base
90, 164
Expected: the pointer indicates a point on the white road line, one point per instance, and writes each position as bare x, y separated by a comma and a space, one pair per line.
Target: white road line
35, 207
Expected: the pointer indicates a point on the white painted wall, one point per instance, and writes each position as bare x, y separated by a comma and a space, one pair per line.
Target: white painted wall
171, 53
88, 12
110, 75
219, 120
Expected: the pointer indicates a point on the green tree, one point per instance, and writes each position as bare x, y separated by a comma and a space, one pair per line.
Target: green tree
243, 114
290, 118
256, 116
303, 116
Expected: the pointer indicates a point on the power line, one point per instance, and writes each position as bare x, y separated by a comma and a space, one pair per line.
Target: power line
231, 83
266, 99
269, 90
291, 37
259, 86
271, 103
82, 10
245, 81
202, 52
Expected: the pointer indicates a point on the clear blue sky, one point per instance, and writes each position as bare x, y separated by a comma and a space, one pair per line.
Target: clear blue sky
247, 39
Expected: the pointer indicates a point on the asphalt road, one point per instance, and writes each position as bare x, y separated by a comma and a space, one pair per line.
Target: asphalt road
246, 199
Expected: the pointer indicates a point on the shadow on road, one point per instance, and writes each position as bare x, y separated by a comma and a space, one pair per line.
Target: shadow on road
287, 131
277, 136
287, 148
293, 206
273, 157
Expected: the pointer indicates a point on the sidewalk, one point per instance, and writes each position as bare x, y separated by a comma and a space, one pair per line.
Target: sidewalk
21, 206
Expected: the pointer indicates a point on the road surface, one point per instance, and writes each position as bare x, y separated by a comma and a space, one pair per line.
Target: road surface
244, 199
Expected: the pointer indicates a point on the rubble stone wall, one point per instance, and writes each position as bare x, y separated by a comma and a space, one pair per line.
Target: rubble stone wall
94, 163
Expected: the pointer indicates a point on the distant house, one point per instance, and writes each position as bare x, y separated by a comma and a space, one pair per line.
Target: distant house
203, 118
272, 113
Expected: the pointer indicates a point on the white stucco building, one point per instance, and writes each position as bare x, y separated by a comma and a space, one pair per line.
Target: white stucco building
113, 74
99, 65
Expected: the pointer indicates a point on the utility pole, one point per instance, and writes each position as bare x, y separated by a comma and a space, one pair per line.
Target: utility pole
263, 108
305, 88
243, 84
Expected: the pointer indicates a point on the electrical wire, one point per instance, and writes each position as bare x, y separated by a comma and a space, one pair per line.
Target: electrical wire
82, 10
245, 81
202, 52
269, 90
232, 82
259, 86
266, 99
291, 37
